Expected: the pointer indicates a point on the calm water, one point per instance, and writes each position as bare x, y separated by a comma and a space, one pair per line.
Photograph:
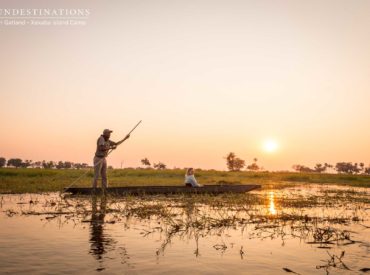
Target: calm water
301, 229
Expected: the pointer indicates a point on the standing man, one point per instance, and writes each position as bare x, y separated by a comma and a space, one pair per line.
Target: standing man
103, 145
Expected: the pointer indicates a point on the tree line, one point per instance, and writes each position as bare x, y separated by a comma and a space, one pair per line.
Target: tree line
340, 167
235, 163
19, 163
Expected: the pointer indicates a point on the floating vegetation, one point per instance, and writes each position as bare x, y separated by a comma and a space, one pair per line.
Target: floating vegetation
334, 261
322, 220
289, 270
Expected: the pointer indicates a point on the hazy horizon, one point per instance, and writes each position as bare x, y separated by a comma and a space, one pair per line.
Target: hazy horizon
206, 77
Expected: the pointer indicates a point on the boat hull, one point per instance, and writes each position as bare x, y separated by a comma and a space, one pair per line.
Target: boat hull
153, 190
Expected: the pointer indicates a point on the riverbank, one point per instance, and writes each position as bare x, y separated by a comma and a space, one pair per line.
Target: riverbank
51, 180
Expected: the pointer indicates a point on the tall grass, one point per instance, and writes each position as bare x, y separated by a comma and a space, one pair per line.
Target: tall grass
45, 180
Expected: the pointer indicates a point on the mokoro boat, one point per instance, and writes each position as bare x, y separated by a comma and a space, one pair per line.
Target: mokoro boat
152, 190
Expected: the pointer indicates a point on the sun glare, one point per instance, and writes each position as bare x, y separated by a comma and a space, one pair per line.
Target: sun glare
270, 146
272, 208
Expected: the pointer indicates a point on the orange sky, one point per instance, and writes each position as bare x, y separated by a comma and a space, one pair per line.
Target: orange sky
206, 78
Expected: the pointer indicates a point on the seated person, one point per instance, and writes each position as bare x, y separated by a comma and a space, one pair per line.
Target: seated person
190, 180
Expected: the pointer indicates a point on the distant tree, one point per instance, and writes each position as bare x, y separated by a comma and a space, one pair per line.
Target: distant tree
320, 168
253, 166
328, 166
159, 166
2, 162
80, 165
362, 166
145, 162
239, 164
15, 162
347, 168
230, 161
37, 164
302, 168
68, 165
367, 170
64, 165
60, 165
48, 164
234, 163
26, 163
357, 168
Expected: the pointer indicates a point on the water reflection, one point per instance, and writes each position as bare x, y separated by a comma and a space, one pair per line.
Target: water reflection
165, 233
272, 209
100, 243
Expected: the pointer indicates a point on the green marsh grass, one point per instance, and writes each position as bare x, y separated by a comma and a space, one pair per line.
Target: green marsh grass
49, 180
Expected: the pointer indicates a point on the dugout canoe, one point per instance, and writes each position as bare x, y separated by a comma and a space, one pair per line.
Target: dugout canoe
154, 190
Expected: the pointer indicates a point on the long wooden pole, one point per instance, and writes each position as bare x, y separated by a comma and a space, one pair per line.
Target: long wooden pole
134, 127
119, 143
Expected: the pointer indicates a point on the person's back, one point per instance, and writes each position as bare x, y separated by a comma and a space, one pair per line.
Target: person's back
190, 178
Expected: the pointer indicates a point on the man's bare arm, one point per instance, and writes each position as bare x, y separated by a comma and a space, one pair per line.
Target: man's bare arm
126, 137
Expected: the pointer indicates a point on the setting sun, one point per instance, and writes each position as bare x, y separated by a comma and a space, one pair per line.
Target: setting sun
270, 146
222, 131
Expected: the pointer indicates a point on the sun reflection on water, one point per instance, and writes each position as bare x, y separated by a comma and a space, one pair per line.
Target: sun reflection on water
272, 209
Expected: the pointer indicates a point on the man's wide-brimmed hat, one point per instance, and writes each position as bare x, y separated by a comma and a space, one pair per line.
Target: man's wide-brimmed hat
107, 131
